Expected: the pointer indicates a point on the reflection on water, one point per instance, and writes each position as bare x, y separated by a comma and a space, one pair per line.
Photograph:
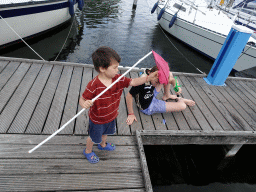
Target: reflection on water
113, 23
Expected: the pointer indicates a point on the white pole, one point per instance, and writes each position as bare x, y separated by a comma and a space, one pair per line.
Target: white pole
55, 133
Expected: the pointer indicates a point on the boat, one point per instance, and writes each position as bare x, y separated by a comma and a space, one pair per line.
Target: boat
29, 18
242, 13
202, 27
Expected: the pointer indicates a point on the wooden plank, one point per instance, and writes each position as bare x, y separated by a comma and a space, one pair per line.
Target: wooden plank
82, 121
144, 165
7, 72
239, 113
180, 118
228, 110
136, 125
191, 120
10, 151
12, 84
3, 65
72, 101
24, 114
54, 117
11, 109
205, 114
45, 182
147, 122
208, 102
123, 128
236, 88
248, 89
37, 120
241, 87
226, 114
67, 166
238, 100
21, 139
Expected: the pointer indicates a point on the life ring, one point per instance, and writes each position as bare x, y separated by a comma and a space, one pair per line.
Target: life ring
71, 7
80, 4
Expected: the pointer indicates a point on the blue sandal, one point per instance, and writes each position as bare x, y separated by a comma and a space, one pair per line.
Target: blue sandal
92, 157
109, 147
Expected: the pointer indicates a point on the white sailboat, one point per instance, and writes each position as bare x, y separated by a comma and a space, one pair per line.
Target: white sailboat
201, 27
243, 12
28, 18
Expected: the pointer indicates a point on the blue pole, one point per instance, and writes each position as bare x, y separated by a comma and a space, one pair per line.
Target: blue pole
228, 55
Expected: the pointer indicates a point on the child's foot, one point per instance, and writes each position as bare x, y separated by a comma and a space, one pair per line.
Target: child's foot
189, 102
169, 97
91, 157
108, 147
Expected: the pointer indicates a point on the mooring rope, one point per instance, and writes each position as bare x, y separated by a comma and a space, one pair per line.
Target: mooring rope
65, 40
21, 38
177, 48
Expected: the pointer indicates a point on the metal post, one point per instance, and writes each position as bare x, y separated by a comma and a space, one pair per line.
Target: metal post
228, 55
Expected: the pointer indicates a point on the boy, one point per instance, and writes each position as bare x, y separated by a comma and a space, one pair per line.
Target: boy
104, 110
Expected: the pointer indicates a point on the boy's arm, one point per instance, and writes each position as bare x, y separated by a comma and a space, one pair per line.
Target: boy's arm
144, 79
85, 103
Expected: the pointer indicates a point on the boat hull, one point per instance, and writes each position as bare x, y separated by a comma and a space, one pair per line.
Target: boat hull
204, 40
29, 20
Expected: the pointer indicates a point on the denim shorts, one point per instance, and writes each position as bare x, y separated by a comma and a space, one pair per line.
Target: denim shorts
96, 131
156, 106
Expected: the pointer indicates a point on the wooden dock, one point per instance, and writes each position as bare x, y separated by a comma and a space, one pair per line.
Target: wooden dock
37, 98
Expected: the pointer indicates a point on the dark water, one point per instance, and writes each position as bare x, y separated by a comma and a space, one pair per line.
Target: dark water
113, 23
194, 168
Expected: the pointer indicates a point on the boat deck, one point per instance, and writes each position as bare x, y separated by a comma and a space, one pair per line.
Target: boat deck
37, 98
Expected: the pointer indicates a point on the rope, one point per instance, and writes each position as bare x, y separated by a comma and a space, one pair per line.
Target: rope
180, 52
65, 40
21, 38
177, 48
244, 52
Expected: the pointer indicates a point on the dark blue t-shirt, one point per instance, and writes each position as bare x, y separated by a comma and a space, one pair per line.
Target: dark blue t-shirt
143, 95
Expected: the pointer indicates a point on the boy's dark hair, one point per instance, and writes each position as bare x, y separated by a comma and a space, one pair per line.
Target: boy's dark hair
102, 57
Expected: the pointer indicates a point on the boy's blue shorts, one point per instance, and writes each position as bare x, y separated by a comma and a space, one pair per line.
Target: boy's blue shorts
96, 131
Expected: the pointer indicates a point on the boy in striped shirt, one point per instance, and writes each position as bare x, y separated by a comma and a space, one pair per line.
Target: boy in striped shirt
104, 110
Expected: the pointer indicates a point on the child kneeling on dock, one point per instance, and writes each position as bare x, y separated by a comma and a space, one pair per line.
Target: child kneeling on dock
104, 110
145, 97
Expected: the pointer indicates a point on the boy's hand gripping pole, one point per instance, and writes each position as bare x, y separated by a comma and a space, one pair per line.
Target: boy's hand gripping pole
176, 88
55, 133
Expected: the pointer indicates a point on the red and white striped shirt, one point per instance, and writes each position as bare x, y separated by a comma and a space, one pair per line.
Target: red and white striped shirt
105, 108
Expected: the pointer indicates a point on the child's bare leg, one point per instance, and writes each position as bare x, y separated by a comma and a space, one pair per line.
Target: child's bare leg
188, 102
167, 94
104, 141
180, 105
89, 145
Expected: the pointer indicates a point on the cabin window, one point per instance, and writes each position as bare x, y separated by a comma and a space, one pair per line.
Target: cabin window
179, 7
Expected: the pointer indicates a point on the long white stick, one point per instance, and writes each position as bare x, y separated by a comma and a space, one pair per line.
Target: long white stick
55, 133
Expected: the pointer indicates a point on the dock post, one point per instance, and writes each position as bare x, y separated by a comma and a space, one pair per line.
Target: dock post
228, 55
230, 152
134, 6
